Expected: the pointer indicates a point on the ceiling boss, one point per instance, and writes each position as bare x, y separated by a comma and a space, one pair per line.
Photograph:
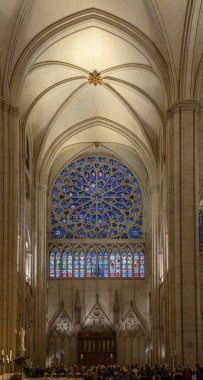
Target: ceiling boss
95, 78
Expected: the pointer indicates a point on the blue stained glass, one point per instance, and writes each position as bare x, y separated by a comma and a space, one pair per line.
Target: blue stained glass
118, 265
102, 234
76, 265
94, 264
58, 232
130, 265
112, 265
64, 220
82, 264
96, 192
70, 265
91, 235
91, 264
64, 173
106, 265
122, 227
71, 166
88, 265
139, 222
64, 264
120, 206
136, 265
135, 232
100, 265
69, 236
64, 189
141, 265
52, 264
124, 265
55, 201
105, 168
112, 233
120, 175
58, 264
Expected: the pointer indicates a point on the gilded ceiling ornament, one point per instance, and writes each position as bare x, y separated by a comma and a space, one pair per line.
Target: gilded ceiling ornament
96, 144
95, 78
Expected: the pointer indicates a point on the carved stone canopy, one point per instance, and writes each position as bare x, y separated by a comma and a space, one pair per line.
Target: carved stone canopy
184, 105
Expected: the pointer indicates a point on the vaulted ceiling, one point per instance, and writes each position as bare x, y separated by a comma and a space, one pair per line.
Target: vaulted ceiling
147, 53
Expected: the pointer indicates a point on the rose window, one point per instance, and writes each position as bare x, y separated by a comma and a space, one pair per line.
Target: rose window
94, 198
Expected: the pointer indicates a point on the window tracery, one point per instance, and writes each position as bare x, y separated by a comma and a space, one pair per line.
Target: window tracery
88, 261
96, 199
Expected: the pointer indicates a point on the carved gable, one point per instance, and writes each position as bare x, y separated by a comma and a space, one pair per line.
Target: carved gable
63, 325
131, 325
97, 319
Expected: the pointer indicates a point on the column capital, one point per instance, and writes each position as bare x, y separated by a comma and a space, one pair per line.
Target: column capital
6, 106
183, 105
14, 111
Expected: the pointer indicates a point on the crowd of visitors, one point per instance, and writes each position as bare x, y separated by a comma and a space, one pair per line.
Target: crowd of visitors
115, 372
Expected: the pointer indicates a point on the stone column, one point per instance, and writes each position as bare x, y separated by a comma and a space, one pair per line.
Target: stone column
10, 219
155, 277
184, 298
40, 264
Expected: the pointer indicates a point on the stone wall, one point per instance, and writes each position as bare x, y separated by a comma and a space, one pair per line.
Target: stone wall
123, 302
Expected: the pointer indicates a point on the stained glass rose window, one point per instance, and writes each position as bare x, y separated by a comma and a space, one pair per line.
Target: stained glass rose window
96, 197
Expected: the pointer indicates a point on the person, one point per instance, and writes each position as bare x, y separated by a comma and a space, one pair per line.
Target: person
199, 371
156, 377
186, 374
177, 375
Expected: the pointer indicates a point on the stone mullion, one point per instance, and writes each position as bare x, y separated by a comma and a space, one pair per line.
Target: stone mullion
41, 276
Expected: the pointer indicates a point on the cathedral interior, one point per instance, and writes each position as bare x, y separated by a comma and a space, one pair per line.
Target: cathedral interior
101, 190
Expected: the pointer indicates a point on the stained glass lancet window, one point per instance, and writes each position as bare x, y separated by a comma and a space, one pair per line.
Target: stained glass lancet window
96, 198
87, 262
